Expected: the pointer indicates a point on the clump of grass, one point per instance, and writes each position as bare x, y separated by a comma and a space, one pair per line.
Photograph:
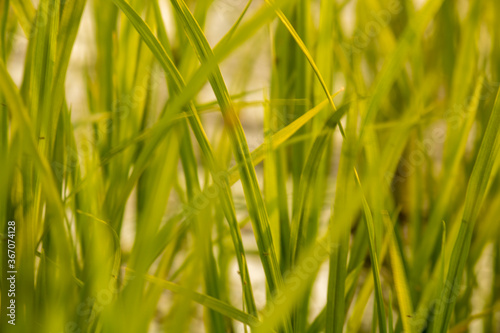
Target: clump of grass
151, 203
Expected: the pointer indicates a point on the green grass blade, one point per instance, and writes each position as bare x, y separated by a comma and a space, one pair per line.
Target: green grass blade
298, 231
400, 279
25, 14
209, 302
178, 84
394, 63
474, 198
255, 202
374, 257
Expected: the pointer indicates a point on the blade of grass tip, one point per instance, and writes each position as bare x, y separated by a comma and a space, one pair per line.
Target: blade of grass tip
400, 279
251, 188
373, 255
474, 197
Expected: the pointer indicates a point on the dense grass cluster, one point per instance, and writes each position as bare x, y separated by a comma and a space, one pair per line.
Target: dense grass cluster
251, 166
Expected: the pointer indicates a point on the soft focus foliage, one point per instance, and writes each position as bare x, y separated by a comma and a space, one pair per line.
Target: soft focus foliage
251, 166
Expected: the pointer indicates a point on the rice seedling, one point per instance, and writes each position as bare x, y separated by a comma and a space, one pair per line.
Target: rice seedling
249, 166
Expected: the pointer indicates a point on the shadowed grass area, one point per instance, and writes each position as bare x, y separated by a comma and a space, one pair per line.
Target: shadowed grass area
249, 166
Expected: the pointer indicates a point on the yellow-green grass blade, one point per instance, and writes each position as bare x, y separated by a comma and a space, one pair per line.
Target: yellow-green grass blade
303, 48
319, 323
461, 131
117, 253
400, 279
344, 207
301, 218
358, 309
476, 191
189, 163
374, 258
296, 283
202, 228
177, 84
22, 123
25, 12
205, 300
258, 156
394, 64
253, 195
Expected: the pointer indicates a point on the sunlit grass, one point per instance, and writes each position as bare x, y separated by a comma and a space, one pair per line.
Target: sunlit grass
355, 189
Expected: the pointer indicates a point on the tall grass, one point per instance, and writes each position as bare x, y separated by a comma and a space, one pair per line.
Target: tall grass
250, 166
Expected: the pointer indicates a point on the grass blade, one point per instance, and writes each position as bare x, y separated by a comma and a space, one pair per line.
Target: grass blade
474, 198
